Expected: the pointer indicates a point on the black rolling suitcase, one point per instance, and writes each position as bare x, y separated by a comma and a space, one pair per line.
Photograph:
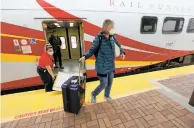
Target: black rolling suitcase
65, 92
76, 95
73, 91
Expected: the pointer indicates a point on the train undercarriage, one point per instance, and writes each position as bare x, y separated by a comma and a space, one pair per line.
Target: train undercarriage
173, 63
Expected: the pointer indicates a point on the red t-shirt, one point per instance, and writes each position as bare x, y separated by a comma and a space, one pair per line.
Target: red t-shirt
45, 60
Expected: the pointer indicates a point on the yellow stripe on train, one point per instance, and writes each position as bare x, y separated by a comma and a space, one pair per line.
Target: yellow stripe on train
18, 58
127, 63
20, 37
31, 58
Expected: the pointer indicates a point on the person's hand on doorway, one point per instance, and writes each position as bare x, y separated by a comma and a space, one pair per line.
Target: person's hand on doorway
82, 59
53, 77
122, 56
53, 67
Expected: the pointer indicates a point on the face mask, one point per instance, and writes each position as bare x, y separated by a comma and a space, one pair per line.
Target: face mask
105, 32
50, 53
112, 32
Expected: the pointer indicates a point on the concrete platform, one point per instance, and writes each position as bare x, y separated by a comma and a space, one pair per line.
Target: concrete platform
150, 109
145, 100
183, 84
179, 88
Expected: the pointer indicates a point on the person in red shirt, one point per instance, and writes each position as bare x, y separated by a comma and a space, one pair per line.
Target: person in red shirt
45, 68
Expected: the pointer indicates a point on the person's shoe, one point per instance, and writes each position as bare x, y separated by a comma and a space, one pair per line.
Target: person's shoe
109, 99
55, 67
61, 67
93, 98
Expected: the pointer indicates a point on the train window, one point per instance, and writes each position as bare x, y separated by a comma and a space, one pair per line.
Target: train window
148, 24
190, 28
63, 46
172, 25
73, 42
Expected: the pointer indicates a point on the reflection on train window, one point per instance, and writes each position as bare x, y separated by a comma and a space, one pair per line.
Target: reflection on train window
73, 42
148, 24
172, 25
190, 28
63, 46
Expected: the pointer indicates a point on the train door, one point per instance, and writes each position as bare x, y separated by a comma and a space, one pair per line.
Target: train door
71, 36
72, 48
74, 42
64, 47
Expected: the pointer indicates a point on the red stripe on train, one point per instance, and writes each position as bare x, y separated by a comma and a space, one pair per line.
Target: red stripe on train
29, 82
11, 29
132, 55
93, 29
8, 46
37, 49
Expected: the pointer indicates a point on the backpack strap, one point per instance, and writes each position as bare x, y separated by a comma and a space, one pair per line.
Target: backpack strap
113, 37
100, 42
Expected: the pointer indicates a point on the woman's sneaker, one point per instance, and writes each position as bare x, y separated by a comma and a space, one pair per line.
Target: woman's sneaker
93, 98
109, 99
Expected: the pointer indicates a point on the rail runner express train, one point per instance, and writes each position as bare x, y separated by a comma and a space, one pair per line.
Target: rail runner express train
150, 31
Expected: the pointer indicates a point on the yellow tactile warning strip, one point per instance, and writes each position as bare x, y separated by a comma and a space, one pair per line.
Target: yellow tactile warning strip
27, 104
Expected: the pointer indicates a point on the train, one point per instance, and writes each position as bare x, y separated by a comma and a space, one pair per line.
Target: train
150, 32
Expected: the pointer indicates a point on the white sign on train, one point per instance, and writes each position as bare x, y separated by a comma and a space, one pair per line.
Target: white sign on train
26, 49
32, 41
16, 42
24, 42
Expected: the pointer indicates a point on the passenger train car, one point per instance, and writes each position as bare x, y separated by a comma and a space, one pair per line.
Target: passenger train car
150, 31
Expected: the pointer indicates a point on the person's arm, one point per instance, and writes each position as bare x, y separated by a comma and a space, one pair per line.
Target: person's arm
50, 41
50, 71
118, 44
48, 66
60, 42
92, 49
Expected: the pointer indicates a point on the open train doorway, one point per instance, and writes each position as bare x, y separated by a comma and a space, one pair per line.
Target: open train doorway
72, 43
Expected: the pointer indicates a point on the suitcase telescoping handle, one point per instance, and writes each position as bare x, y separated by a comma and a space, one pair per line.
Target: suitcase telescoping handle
75, 81
79, 72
